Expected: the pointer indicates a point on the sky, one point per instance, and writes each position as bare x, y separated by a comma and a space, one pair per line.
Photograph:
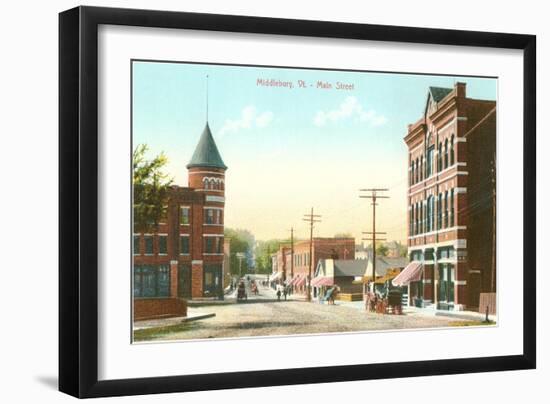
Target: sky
290, 148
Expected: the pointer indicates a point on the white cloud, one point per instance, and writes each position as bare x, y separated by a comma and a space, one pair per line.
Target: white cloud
350, 108
264, 119
250, 118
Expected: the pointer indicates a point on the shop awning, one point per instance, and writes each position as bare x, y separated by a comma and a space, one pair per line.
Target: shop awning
275, 276
411, 273
315, 280
292, 280
322, 281
300, 280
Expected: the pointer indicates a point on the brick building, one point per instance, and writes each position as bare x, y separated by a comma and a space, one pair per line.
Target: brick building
294, 268
451, 201
184, 256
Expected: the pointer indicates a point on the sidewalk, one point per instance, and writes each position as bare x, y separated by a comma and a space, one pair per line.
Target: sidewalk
460, 315
164, 322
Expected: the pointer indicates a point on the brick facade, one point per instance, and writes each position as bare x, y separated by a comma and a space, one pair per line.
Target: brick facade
450, 203
186, 249
322, 248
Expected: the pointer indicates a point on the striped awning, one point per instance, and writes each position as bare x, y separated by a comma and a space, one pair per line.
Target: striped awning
322, 281
275, 276
411, 273
299, 280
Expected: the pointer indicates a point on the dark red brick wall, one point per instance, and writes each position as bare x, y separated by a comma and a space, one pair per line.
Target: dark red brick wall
159, 307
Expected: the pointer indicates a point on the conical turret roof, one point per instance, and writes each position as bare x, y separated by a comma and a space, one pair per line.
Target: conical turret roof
206, 153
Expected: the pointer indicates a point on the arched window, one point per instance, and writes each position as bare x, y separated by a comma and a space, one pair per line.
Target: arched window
418, 218
414, 218
411, 220
452, 208
421, 166
446, 209
446, 153
439, 156
439, 211
452, 159
430, 215
421, 229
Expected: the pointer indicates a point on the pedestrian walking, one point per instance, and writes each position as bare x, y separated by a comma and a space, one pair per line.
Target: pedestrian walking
285, 291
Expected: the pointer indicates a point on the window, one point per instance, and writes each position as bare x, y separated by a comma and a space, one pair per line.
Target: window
446, 153
451, 280
416, 256
184, 244
164, 215
213, 245
446, 283
412, 173
136, 244
439, 158
429, 162
452, 205
421, 166
184, 215
439, 211
213, 216
452, 156
421, 218
411, 220
163, 244
430, 217
209, 217
416, 218
151, 281
148, 244
446, 209
416, 177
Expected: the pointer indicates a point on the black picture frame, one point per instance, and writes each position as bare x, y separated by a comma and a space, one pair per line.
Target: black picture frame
78, 200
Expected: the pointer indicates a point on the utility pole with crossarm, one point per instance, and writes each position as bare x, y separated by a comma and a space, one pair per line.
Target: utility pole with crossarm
311, 219
373, 197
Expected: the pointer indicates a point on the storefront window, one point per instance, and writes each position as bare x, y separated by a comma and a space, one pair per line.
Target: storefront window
151, 281
451, 286
442, 297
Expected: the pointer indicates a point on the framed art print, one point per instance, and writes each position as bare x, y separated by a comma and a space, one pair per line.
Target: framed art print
235, 188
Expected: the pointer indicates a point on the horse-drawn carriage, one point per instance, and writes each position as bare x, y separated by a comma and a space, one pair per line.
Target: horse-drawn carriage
241, 291
390, 303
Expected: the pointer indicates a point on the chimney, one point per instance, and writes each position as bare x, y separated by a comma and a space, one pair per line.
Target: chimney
460, 89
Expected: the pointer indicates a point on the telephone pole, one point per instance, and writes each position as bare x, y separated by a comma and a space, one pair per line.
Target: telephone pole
373, 197
311, 219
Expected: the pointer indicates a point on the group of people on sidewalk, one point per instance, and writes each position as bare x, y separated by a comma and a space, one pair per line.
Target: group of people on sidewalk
283, 290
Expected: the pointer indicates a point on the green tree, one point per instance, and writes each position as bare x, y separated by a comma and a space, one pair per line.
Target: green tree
343, 235
151, 186
382, 250
240, 241
263, 252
